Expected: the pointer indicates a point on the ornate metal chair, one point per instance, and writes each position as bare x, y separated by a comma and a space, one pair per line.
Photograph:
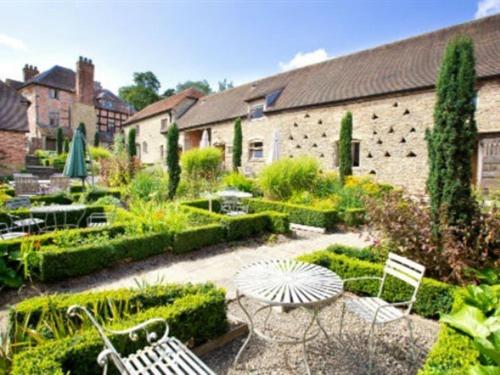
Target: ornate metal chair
22, 202
163, 356
26, 184
8, 233
375, 310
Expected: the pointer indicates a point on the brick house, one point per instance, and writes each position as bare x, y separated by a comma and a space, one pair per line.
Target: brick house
63, 98
390, 91
13, 129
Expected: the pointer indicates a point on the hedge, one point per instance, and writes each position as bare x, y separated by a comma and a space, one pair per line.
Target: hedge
196, 315
434, 297
60, 263
453, 352
198, 237
298, 214
203, 204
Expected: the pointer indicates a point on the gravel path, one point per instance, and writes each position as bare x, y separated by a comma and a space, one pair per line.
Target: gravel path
348, 356
216, 263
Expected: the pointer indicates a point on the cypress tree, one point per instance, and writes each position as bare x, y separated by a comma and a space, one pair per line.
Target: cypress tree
66, 145
132, 148
451, 142
96, 139
237, 144
174, 169
59, 140
345, 147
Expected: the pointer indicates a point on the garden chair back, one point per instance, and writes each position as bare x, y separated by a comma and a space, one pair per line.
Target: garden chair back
59, 183
18, 202
99, 219
162, 356
26, 185
7, 233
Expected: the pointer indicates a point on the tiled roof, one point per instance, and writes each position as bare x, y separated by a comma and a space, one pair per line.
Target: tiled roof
13, 110
13, 83
405, 65
164, 105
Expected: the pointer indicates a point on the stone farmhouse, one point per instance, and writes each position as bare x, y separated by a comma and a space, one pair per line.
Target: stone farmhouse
61, 97
389, 89
13, 129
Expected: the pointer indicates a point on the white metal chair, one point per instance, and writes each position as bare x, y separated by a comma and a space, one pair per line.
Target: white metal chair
26, 185
164, 356
7, 233
376, 311
22, 202
99, 219
59, 183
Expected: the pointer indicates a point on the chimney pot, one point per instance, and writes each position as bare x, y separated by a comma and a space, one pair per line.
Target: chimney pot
29, 71
84, 81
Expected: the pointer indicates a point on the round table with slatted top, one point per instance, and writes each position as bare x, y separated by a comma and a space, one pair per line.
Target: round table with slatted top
287, 284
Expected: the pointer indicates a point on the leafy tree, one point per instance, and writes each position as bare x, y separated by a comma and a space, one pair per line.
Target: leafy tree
237, 144
96, 139
345, 147
143, 92
202, 86
59, 140
168, 92
66, 145
451, 142
132, 149
225, 84
174, 169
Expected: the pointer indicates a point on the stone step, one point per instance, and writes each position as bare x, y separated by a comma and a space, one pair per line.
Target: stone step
32, 160
41, 172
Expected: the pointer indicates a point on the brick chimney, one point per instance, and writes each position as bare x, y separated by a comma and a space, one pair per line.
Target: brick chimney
29, 71
84, 81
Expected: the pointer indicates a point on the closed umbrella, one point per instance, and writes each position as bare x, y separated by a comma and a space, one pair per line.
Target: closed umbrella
204, 143
275, 148
75, 166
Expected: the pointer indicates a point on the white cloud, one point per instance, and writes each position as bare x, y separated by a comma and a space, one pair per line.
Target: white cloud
487, 8
302, 59
11, 42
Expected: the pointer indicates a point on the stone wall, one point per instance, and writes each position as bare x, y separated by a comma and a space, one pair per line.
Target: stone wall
12, 151
151, 143
87, 114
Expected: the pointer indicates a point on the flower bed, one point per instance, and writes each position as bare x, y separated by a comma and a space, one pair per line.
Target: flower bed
195, 313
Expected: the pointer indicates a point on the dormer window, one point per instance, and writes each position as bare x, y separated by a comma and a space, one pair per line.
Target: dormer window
256, 111
54, 93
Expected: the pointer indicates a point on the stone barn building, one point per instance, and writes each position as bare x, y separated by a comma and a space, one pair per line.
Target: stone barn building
389, 89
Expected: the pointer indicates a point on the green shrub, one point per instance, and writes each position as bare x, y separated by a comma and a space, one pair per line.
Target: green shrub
99, 153
174, 169
131, 147
298, 214
345, 147
353, 216
278, 222
204, 163
286, 176
148, 186
367, 253
195, 238
245, 226
203, 204
194, 313
237, 144
434, 297
238, 181
58, 198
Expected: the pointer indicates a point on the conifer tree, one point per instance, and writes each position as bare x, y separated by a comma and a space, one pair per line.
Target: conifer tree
174, 169
59, 141
66, 145
237, 144
345, 147
451, 142
96, 139
132, 148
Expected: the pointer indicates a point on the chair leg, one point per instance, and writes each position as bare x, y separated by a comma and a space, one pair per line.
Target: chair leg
371, 347
411, 340
341, 320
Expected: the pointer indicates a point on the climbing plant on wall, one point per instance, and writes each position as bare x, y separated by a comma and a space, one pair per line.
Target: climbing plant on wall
59, 141
451, 142
237, 144
345, 153
132, 148
174, 169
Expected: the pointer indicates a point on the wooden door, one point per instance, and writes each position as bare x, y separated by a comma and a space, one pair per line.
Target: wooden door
489, 162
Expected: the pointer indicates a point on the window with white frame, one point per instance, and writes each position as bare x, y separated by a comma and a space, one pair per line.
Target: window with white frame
256, 111
256, 150
54, 93
54, 118
145, 147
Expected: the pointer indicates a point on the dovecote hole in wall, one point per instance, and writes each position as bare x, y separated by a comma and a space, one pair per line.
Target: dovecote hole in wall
320, 121
321, 155
395, 104
391, 130
369, 155
413, 130
403, 140
379, 142
323, 135
307, 115
374, 132
406, 112
305, 136
315, 145
298, 146
290, 137
374, 117
295, 125
387, 155
372, 172
411, 154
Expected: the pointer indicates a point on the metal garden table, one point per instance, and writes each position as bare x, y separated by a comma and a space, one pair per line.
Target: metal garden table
286, 283
54, 209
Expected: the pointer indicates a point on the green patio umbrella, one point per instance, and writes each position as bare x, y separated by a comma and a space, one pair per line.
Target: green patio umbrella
75, 166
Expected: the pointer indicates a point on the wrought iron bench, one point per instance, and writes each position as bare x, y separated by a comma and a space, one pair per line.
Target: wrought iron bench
163, 356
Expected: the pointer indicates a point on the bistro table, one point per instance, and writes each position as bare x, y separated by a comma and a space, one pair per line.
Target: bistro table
289, 284
54, 209
231, 198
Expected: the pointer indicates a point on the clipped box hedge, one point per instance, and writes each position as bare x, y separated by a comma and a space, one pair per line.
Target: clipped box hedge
298, 214
434, 297
194, 313
203, 204
198, 237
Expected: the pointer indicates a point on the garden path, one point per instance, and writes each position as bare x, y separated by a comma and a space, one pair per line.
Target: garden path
215, 263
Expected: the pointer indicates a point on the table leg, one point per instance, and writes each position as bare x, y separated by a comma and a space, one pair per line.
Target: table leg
250, 329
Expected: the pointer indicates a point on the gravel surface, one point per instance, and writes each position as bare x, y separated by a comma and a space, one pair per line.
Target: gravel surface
346, 356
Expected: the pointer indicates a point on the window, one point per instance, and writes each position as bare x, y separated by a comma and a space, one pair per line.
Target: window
144, 147
164, 124
272, 97
256, 150
256, 111
54, 118
355, 152
54, 93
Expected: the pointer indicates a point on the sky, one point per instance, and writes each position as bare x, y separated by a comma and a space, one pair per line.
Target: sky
192, 40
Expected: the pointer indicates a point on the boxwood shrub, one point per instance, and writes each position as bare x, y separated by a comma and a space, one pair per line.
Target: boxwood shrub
298, 214
434, 297
198, 237
203, 203
196, 314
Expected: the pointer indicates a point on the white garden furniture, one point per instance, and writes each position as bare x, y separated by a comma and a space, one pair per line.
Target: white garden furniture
7, 233
99, 219
376, 311
163, 356
288, 284
63, 209
231, 202
18, 222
